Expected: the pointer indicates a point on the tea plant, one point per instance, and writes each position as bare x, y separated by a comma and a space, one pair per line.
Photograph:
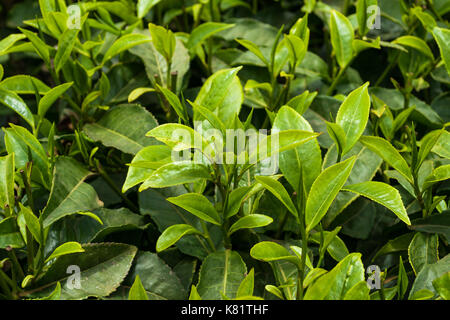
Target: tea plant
225, 150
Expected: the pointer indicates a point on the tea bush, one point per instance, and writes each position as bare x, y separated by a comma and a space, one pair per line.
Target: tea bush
225, 149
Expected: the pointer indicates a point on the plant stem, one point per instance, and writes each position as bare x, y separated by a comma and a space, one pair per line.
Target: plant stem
207, 235
336, 80
388, 69
16, 264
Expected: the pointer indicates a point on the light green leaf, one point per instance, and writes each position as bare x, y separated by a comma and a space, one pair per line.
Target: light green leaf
308, 156
388, 153
221, 274
204, 31
253, 48
7, 183
144, 6
124, 43
442, 37
174, 102
64, 249
163, 40
277, 189
249, 222
247, 285
416, 43
324, 189
65, 46
23, 84
136, 93
442, 285
198, 205
51, 96
362, 15
172, 234
353, 115
147, 160
342, 36
15, 103
137, 291
335, 284
384, 194
270, 251
32, 223
222, 94
39, 45
176, 173
178, 136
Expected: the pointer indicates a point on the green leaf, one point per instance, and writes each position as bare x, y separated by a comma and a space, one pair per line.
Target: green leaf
15, 103
442, 37
174, 102
335, 284
51, 96
158, 279
198, 205
163, 40
338, 135
278, 142
172, 234
423, 250
422, 294
144, 6
342, 36
103, 266
65, 46
415, 43
124, 43
362, 7
249, 222
9, 41
384, 194
10, 235
359, 291
2, 72
270, 251
426, 144
124, 128
20, 141
69, 194
214, 120
398, 244
324, 189
178, 136
32, 223
303, 161
222, 94
441, 173
147, 160
442, 285
176, 173
22, 84
194, 294
277, 189
137, 291
247, 285
275, 291
253, 48
442, 146
235, 199
335, 246
388, 153
353, 115
204, 31
402, 281
136, 93
39, 45
428, 274
64, 249
438, 223
221, 273
7, 183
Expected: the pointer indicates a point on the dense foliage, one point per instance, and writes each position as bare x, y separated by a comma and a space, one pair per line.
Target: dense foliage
117, 179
